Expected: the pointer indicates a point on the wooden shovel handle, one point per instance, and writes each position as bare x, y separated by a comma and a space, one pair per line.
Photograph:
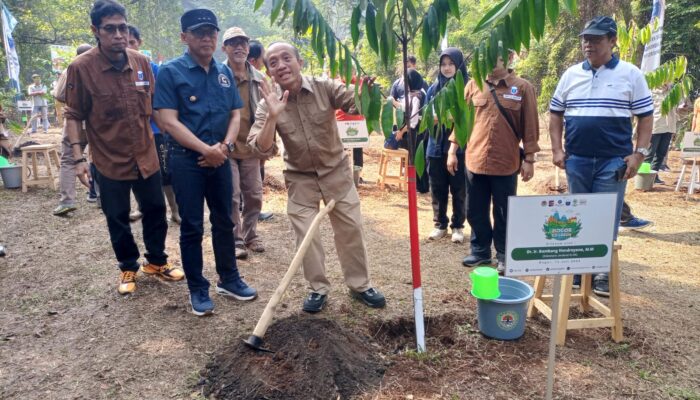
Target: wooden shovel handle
269, 311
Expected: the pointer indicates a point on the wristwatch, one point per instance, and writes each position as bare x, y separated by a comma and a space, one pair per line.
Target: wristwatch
229, 146
643, 151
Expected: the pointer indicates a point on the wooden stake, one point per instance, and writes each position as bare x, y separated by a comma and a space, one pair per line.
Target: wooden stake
553, 337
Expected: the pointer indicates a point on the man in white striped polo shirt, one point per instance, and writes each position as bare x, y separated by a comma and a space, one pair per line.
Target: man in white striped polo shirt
597, 99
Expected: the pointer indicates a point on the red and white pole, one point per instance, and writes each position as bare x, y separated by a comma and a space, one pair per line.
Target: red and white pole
415, 259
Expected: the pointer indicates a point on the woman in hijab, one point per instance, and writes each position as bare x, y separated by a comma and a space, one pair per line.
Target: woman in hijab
442, 182
417, 99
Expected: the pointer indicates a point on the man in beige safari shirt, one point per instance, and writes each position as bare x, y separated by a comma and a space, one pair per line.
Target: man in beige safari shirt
245, 161
316, 169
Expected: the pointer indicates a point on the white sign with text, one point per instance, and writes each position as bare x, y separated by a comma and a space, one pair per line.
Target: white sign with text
353, 133
560, 234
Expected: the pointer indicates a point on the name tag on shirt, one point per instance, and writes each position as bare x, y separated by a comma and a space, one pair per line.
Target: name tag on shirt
512, 97
143, 83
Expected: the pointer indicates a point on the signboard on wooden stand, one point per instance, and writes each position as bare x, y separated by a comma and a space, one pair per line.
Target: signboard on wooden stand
560, 236
353, 133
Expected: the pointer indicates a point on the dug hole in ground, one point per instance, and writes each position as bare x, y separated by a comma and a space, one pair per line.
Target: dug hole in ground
65, 333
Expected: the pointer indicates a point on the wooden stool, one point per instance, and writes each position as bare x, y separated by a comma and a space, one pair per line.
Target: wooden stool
32, 177
612, 316
384, 178
694, 175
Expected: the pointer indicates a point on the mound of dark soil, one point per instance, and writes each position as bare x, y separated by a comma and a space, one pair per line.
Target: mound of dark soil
314, 359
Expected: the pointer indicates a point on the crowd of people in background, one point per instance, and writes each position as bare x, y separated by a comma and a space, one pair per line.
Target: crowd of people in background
196, 130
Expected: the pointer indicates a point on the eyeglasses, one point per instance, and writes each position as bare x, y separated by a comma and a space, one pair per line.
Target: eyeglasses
201, 33
236, 42
593, 39
112, 29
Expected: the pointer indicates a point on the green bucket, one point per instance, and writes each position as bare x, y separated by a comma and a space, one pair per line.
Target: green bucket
645, 168
485, 283
4, 162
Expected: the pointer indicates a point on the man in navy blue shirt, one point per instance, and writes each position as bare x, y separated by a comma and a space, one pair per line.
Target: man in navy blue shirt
198, 105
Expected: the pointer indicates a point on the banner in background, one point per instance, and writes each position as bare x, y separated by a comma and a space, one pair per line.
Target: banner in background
8, 25
652, 50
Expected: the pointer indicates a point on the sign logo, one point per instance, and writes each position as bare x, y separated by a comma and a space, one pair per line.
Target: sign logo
352, 132
140, 75
514, 90
507, 320
224, 81
559, 227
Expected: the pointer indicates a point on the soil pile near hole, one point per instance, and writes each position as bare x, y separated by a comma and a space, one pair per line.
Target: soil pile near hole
313, 359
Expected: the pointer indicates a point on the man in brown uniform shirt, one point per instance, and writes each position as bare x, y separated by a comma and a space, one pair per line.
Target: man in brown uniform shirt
316, 169
493, 157
110, 88
245, 161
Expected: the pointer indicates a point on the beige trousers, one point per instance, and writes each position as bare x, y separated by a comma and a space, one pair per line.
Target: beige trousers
346, 220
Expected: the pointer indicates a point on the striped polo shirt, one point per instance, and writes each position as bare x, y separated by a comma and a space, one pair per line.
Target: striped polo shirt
598, 106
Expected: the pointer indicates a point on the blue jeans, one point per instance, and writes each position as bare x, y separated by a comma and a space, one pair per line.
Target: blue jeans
193, 185
596, 175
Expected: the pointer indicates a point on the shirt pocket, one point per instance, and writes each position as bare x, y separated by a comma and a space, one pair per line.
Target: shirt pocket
479, 102
143, 102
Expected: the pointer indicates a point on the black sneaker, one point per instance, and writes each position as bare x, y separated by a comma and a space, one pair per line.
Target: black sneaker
473, 261
371, 297
315, 302
577, 282
601, 286
264, 216
658, 181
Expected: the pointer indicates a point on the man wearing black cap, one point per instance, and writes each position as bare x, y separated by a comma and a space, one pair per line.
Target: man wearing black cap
597, 100
198, 105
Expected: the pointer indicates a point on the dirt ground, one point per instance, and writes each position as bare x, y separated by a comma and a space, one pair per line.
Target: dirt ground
65, 333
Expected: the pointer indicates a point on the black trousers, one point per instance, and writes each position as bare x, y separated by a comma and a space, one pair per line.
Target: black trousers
442, 184
116, 205
659, 148
358, 159
482, 192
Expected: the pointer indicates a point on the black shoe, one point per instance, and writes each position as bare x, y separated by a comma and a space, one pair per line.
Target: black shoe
315, 302
2, 251
264, 216
473, 261
658, 181
577, 282
601, 286
371, 297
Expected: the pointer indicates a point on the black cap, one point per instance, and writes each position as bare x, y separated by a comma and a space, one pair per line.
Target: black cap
599, 26
193, 19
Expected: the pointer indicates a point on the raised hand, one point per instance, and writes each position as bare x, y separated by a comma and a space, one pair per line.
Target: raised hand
275, 105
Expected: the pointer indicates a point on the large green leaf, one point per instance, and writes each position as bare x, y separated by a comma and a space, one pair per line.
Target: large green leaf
426, 121
454, 8
355, 25
384, 46
411, 8
348, 66
524, 11
258, 4
540, 17
434, 27
495, 13
375, 105
425, 45
552, 10
419, 160
514, 25
371, 28
331, 48
276, 8
571, 6
474, 66
387, 118
365, 99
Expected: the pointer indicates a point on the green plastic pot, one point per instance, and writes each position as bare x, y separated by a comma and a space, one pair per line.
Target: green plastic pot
485, 283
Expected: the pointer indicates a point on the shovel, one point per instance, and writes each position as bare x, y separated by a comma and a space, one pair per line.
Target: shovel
255, 340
